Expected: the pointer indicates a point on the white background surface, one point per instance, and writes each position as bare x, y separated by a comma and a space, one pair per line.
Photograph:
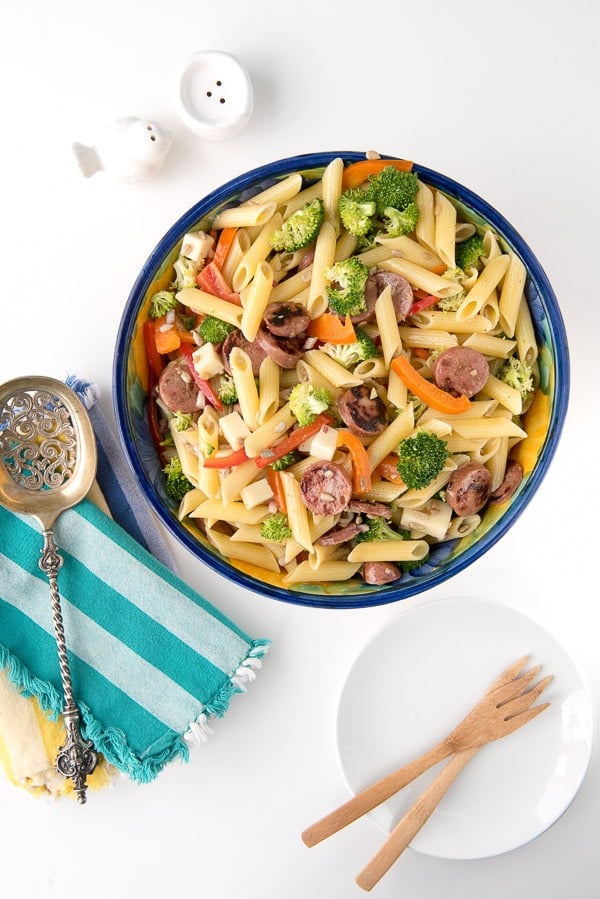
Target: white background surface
501, 97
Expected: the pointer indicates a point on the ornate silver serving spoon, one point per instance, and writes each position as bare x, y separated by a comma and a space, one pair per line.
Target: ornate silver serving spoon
47, 465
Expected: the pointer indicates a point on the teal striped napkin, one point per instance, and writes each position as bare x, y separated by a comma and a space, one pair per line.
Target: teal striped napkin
151, 660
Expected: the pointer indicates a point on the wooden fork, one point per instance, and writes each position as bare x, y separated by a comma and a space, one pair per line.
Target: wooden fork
505, 714
485, 722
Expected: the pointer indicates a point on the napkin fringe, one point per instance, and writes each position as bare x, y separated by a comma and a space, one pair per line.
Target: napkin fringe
216, 708
111, 741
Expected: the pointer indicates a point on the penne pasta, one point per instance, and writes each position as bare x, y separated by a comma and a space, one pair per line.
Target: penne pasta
481, 291
279, 193
425, 230
444, 229
323, 260
385, 314
255, 255
511, 295
256, 300
332, 189
327, 573
207, 304
407, 248
389, 551
243, 377
252, 553
421, 277
246, 216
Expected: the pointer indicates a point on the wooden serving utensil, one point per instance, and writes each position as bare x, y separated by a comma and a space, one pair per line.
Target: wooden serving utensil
483, 723
506, 706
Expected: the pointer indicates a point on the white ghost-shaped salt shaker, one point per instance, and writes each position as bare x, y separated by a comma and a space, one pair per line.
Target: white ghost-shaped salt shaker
129, 149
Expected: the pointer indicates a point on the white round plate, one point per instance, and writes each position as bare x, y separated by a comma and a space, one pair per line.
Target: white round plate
417, 679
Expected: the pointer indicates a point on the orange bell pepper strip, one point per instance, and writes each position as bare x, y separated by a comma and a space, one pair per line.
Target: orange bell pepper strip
292, 441
166, 338
388, 470
274, 482
357, 172
156, 363
430, 393
224, 242
332, 329
361, 467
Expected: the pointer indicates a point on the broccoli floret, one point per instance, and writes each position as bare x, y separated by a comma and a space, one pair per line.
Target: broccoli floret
182, 421
285, 461
411, 564
161, 303
307, 401
468, 252
421, 458
301, 228
356, 211
276, 527
517, 374
214, 330
185, 273
349, 354
393, 188
398, 222
348, 279
176, 483
379, 529
226, 390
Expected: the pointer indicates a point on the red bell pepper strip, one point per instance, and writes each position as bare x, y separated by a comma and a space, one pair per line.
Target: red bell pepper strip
229, 461
187, 351
211, 280
292, 441
422, 303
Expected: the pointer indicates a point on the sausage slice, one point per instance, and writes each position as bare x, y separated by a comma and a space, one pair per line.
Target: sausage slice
380, 572
342, 535
285, 351
326, 488
286, 319
177, 389
365, 416
460, 370
469, 488
253, 348
402, 295
512, 478
380, 510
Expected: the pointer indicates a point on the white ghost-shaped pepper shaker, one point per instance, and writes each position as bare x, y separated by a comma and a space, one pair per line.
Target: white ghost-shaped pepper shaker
129, 150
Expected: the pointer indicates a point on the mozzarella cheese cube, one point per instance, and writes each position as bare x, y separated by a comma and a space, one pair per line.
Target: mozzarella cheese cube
323, 445
256, 493
433, 518
196, 245
207, 361
234, 429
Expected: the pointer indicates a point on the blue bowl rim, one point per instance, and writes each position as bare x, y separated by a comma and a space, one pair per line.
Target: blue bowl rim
390, 594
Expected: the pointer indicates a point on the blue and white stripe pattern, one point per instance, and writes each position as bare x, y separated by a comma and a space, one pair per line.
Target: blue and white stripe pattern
151, 659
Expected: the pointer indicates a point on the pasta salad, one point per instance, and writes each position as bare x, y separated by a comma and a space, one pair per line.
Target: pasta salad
338, 374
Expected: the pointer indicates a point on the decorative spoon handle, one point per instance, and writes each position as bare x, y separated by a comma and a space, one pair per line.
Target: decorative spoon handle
76, 758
